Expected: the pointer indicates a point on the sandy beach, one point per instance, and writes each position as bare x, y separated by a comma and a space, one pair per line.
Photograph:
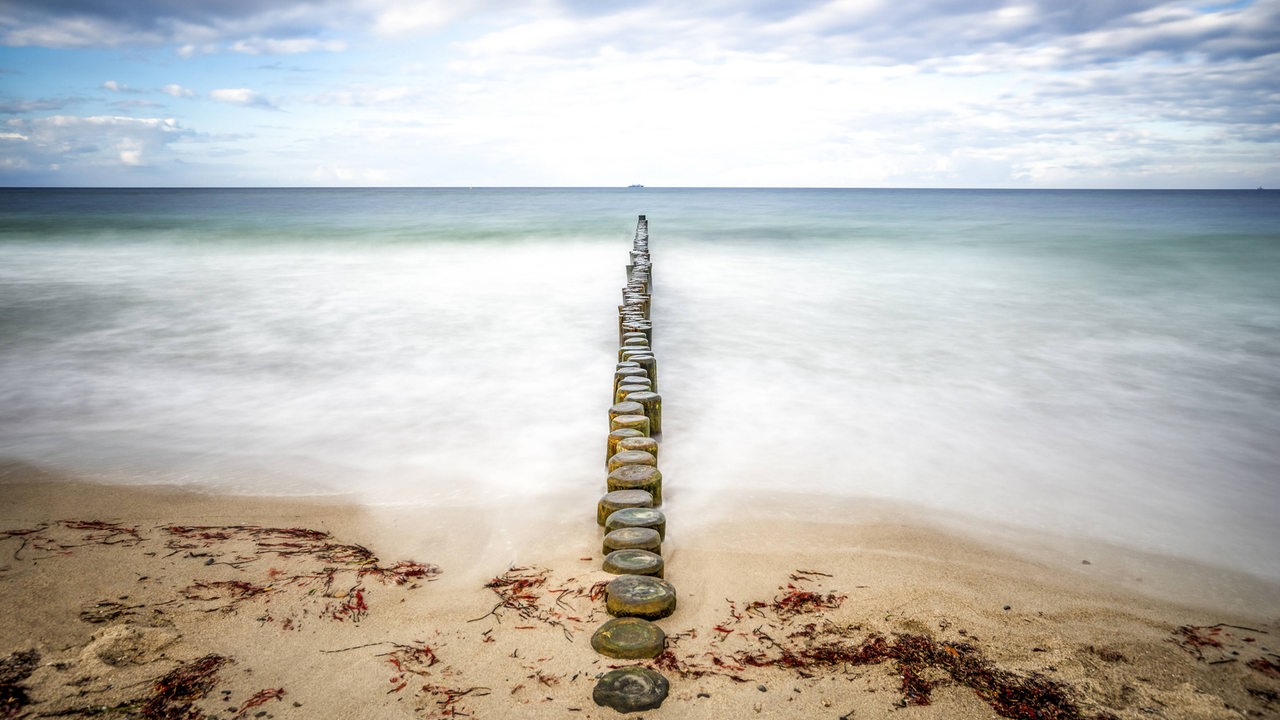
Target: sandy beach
157, 602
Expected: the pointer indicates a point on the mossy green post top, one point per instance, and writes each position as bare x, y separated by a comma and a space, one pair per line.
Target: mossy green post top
619, 499
631, 689
631, 457
629, 639
637, 517
640, 596
634, 562
641, 538
637, 477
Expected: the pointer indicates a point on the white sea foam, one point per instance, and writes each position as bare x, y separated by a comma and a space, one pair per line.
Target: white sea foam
978, 385
1010, 365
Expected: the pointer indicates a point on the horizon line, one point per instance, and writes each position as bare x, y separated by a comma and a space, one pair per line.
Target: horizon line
631, 187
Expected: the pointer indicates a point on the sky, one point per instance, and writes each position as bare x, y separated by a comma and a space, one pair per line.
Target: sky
722, 93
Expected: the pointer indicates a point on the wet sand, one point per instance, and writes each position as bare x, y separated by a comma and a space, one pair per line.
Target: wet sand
152, 599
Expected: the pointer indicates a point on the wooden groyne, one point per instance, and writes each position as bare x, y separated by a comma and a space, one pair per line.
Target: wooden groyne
633, 525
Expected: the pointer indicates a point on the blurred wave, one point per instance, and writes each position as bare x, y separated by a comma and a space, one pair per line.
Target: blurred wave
1102, 364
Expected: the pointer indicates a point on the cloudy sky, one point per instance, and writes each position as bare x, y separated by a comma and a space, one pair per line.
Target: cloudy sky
845, 93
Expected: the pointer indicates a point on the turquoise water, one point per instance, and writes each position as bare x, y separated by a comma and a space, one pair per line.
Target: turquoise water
1103, 364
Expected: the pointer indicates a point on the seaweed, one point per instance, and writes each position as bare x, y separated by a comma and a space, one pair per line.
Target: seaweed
522, 590
14, 669
409, 660
313, 563
261, 697
1217, 645
231, 592
106, 611
788, 636
417, 659
402, 572
104, 533
353, 607
336, 559
207, 542
99, 532
174, 695
447, 699
1265, 666
1197, 637
796, 601
293, 542
1011, 695
515, 590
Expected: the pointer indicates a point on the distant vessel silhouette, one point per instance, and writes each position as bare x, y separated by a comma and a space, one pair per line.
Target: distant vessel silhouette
640, 186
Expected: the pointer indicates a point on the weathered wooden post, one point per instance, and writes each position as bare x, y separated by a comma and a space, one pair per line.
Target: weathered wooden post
634, 528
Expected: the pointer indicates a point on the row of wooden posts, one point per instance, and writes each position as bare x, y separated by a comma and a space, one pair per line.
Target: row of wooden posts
628, 512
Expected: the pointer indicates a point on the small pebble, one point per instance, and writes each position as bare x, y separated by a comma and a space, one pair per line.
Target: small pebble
762, 688
1008, 607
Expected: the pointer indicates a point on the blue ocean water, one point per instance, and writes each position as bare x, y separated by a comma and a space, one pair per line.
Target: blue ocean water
1102, 364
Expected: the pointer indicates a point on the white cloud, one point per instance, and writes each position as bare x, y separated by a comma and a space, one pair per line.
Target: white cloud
286, 46
838, 92
107, 121
192, 27
191, 50
195, 27
67, 32
405, 17
821, 18
819, 97
89, 141
242, 96
130, 151
113, 86
136, 104
366, 96
13, 107
342, 175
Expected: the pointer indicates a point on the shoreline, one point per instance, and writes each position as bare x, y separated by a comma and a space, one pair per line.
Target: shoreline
513, 526
1111, 641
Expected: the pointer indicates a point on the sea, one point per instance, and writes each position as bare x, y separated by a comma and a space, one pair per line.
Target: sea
1095, 364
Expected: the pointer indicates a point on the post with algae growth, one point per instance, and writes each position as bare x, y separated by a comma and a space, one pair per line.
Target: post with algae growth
634, 527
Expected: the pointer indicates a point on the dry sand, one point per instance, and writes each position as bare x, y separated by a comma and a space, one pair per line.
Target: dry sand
155, 602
